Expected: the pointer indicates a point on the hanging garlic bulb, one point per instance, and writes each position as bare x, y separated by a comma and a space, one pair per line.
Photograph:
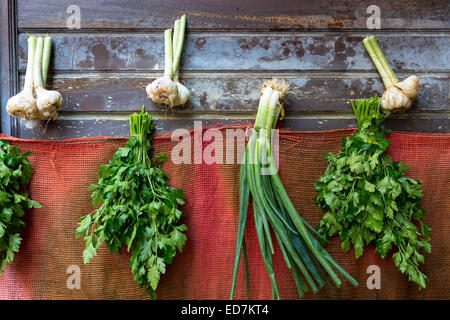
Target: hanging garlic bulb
48, 102
399, 95
23, 104
167, 90
410, 86
394, 101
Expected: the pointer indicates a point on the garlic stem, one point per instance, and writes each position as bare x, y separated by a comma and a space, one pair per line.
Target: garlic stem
168, 53
176, 35
179, 46
176, 31
37, 69
47, 51
28, 85
380, 62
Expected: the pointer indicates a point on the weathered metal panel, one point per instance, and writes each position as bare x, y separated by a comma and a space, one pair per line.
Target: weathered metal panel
231, 48
9, 83
260, 52
236, 14
64, 129
221, 93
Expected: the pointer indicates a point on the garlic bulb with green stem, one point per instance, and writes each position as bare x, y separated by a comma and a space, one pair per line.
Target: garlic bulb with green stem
167, 90
23, 104
48, 102
399, 95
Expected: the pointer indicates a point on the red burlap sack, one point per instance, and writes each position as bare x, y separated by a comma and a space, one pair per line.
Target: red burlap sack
65, 169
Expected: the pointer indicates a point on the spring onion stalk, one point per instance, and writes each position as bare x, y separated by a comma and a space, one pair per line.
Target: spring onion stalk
23, 104
399, 95
167, 90
48, 102
273, 211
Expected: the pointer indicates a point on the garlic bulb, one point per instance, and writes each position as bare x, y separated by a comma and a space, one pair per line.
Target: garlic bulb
398, 96
163, 91
183, 93
167, 90
395, 101
48, 102
23, 104
410, 86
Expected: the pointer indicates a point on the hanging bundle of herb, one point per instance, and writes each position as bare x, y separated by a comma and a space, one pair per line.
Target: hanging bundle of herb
368, 198
139, 209
15, 176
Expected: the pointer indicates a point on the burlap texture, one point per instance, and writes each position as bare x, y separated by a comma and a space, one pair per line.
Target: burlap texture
65, 169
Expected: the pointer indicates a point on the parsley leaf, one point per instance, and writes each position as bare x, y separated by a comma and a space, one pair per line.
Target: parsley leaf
15, 175
138, 208
368, 199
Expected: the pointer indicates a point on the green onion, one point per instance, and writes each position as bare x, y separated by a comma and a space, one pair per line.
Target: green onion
273, 210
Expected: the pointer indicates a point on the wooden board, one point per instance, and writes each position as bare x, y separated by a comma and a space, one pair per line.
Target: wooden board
231, 47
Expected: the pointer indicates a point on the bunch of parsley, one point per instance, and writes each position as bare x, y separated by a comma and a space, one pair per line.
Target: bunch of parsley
369, 199
15, 175
139, 209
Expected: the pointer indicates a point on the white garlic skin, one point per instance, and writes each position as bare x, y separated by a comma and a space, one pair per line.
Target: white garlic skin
183, 94
410, 86
22, 105
163, 91
48, 102
394, 101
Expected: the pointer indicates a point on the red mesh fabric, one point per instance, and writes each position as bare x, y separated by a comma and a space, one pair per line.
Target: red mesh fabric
65, 169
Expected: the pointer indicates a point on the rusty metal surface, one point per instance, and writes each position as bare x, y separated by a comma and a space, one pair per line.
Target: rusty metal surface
237, 14
238, 93
106, 127
261, 52
231, 47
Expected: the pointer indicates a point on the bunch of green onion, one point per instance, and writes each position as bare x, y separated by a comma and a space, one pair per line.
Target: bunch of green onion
273, 210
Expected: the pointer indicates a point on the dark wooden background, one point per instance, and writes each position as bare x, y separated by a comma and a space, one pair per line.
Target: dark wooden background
231, 47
